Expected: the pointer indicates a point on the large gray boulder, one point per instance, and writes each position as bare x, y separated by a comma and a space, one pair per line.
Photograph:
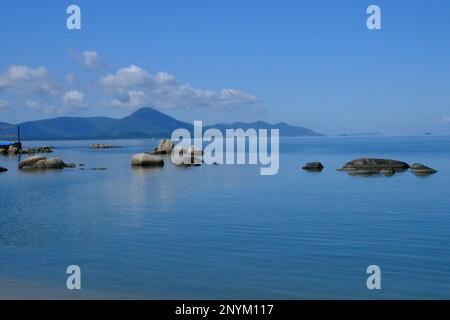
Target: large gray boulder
146, 160
374, 165
422, 170
165, 147
53, 163
40, 162
30, 161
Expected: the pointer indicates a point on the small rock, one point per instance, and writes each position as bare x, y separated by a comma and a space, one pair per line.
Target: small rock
165, 147
422, 170
70, 165
102, 146
3, 169
146, 160
313, 166
96, 169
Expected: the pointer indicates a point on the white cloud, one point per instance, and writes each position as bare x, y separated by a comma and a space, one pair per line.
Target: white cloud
130, 99
135, 87
163, 77
445, 119
74, 98
132, 76
130, 87
25, 79
89, 59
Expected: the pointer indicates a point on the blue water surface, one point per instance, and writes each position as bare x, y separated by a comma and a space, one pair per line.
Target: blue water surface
226, 232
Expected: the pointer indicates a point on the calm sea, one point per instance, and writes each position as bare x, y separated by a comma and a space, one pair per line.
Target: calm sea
225, 231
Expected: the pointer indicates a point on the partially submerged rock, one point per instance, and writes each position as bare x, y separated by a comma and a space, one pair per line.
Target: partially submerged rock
313, 166
102, 146
165, 147
53, 163
363, 172
370, 165
40, 162
3, 169
389, 172
30, 161
146, 160
422, 170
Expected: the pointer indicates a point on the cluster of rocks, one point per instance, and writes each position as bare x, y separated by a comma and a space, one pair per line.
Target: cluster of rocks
103, 146
191, 156
40, 162
371, 166
14, 150
44, 149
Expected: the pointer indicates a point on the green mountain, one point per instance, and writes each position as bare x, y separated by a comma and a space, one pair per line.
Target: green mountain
143, 123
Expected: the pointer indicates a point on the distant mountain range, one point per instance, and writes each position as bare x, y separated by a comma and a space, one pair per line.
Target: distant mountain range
143, 123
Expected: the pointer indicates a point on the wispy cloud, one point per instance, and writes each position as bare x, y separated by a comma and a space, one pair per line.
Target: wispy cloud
134, 86
74, 98
25, 80
88, 59
35, 89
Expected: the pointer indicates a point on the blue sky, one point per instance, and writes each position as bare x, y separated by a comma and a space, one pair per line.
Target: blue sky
309, 63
